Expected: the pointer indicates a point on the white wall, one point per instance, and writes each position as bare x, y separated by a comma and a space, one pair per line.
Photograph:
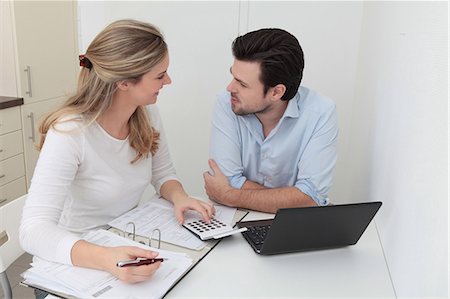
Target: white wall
329, 34
400, 139
384, 63
199, 35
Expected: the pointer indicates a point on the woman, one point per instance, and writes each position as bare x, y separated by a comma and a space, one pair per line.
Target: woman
100, 150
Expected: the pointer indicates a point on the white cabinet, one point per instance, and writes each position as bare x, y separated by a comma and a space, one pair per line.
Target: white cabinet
46, 48
46, 55
9, 120
12, 168
31, 117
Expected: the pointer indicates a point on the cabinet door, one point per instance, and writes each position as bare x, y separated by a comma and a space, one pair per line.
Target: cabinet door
46, 48
11, 144
11, 169
31, 118
9, 120
8, 85
12, 190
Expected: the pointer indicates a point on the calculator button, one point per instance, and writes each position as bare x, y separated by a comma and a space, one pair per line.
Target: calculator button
206, 231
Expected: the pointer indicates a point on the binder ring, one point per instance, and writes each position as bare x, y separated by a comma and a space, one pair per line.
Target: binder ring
150, 239
134, 230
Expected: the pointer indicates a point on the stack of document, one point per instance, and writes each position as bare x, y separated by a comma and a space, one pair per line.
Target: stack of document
158, 213
88, 283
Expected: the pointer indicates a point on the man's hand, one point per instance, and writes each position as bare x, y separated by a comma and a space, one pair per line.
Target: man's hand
216, 185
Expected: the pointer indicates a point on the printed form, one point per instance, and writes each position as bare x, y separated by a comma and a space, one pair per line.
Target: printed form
158, 213
89, 283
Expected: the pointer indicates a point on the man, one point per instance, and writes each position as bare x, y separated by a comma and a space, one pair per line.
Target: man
273, 143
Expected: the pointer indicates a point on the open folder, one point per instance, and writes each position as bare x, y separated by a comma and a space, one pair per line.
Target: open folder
72, 281
158, 214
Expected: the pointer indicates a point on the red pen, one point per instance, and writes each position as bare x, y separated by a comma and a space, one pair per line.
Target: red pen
139, 262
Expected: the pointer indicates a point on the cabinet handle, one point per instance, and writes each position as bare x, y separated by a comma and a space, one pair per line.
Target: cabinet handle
33, 136
29, 91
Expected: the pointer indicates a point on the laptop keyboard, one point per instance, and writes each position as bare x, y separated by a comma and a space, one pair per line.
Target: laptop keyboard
257, 234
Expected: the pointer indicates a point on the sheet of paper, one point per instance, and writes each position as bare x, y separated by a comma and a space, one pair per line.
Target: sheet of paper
89, 283
158, 213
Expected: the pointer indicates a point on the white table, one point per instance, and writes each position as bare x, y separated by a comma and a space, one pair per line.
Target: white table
233, 270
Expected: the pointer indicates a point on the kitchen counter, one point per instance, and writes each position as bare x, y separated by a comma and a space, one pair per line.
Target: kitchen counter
8, 102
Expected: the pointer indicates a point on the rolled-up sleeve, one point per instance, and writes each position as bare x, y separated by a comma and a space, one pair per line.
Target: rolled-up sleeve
225, 142
315, 168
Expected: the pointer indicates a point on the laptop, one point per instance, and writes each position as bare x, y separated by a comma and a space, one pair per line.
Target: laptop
310, 228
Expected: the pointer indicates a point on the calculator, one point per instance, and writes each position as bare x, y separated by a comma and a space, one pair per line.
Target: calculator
214, 230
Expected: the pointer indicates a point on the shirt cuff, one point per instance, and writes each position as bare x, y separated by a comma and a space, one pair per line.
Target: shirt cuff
158, 185
64, 249
237, 181
309, 189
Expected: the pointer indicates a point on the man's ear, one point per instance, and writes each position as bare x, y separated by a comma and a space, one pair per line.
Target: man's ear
278, 91
123, 85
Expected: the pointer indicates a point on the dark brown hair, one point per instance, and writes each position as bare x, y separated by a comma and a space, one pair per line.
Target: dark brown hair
280, 56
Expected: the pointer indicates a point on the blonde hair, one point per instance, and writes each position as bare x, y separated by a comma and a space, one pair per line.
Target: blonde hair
124, 50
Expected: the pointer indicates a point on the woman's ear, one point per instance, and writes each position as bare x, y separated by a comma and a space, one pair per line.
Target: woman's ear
123, 85
278, 91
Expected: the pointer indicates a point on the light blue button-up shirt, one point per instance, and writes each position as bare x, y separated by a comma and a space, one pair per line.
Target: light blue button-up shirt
300, 151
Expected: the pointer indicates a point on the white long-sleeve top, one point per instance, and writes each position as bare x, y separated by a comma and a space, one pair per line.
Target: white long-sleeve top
82, 180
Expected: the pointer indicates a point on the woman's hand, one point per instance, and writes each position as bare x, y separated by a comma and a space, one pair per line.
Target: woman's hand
89, 255
131, 274
173, 191
185, 203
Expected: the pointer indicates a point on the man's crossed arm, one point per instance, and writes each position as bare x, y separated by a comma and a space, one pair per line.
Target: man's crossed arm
252, 195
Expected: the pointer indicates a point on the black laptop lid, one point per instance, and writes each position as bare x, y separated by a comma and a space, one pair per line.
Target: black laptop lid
299, 229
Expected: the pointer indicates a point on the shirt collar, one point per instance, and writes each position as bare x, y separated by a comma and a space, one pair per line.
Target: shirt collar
292, 111
293, 107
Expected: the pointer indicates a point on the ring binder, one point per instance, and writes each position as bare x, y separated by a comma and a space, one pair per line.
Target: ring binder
80, 282
134, 230
126, 234
151, 238
179, 261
